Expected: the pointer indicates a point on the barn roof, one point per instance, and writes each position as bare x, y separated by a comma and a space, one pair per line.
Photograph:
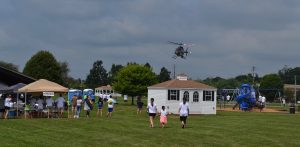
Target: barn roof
182, 84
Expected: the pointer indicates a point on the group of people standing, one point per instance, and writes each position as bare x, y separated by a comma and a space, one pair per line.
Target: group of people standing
163, 113
88, 105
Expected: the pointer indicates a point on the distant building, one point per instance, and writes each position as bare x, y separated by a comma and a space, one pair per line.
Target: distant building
291, 87
201, 97
106, 90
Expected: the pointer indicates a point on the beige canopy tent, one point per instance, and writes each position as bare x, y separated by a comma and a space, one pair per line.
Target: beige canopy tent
42, 85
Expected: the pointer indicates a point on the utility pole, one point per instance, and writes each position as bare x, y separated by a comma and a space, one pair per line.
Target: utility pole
253, 74
295, 90
174, 72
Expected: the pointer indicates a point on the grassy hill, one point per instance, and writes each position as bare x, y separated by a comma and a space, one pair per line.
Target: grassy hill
126, 128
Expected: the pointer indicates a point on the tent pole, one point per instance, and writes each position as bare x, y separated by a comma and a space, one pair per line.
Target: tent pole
17, 104
25, 104
68, 103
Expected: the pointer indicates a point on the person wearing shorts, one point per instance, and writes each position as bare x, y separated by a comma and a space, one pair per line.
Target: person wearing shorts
183, 112
152, 110
100, 106
74, 105
110, 107
49, 105
7, 105
60, 105
139, 105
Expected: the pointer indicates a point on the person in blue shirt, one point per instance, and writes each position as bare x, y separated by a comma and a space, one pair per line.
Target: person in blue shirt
100, 106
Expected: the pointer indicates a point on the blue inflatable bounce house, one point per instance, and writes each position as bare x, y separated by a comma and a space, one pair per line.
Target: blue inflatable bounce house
246, 98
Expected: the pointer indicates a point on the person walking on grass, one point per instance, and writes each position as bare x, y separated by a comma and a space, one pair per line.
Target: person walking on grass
139, 105
100, 106
163, 116
183, 111
152, 110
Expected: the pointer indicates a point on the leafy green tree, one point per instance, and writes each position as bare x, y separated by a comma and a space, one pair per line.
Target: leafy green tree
288, 75
75, 83
222, 83
64, 66
43, 65
113, 72
164, 75
97, 76
244, 78
9, 66
147, 65
270, 85
134, 79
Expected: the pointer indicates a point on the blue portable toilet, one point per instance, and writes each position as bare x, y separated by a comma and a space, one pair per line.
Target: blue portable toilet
89, 92
73, 92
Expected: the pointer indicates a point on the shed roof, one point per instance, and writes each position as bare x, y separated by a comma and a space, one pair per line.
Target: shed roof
182, 84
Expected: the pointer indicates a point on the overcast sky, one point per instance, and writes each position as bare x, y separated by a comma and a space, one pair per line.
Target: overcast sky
230, 36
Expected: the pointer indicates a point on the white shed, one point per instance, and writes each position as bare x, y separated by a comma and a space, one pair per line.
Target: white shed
200, 97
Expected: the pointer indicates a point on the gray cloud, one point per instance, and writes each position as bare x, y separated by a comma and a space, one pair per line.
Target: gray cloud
230, 35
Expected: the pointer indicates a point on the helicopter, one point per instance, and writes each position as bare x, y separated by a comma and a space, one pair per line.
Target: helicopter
180, 51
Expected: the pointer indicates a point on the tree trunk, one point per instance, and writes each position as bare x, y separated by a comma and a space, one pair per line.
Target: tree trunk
132, 100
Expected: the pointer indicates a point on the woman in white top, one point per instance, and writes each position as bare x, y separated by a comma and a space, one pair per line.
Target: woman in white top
78, 107
183, 112
7, 105
152, 111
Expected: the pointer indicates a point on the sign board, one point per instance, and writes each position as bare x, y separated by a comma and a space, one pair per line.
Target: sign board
48, 93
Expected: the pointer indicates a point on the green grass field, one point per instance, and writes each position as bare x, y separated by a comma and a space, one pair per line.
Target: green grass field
125, 128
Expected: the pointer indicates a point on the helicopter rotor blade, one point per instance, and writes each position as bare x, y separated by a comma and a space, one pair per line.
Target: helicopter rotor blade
175, 43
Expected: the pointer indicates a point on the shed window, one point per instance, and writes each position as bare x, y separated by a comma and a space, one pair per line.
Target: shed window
208, 95
195, 96
173, 95
186, 96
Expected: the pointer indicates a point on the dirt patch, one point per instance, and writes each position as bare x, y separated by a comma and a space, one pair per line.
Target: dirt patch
253, 110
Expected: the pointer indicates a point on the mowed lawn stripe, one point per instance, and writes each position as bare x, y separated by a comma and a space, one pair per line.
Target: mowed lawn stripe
126, 128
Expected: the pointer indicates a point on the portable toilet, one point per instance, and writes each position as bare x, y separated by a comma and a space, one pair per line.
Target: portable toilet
89, 92
73, 92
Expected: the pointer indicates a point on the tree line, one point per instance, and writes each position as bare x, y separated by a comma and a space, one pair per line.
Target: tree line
138, 76
131, 79
270, 85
